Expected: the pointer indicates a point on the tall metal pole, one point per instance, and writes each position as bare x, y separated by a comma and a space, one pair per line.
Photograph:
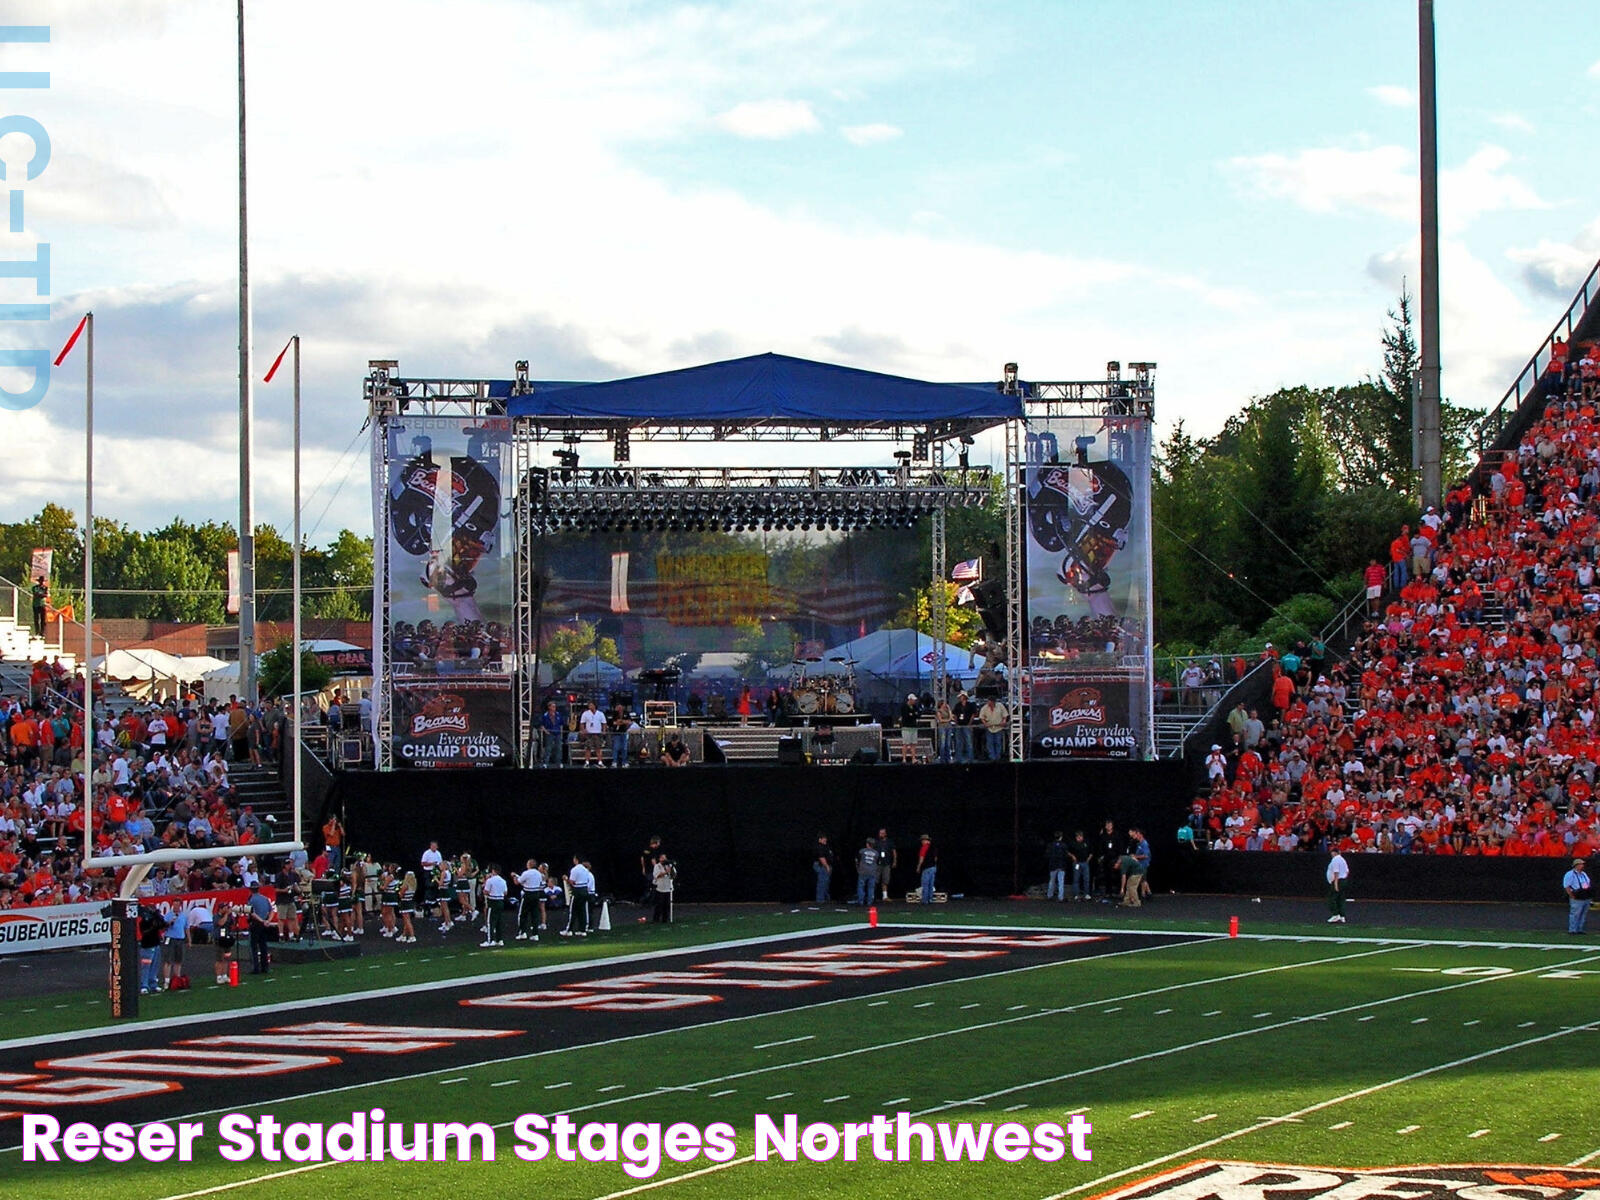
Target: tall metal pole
295, 623
1427, 418
247, 539
88, 591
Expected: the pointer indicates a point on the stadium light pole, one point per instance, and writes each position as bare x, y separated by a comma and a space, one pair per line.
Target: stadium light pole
1426, 418
247, 537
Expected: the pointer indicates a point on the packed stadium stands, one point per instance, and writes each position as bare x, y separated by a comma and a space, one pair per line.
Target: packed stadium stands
1463, 721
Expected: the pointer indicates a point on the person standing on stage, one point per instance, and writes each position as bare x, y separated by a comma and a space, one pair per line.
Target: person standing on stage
592, 725
553, 730
530, 911
494, 903
964, 712
618, 726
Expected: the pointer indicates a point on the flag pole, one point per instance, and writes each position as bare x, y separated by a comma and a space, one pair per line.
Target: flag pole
86, 324
88, 588
294, 557
295, 342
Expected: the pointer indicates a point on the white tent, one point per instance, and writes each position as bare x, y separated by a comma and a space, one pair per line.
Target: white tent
155, 665
594, 671
890, 652
959, 664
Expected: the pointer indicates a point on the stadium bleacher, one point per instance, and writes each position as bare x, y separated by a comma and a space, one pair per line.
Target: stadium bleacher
1464, 720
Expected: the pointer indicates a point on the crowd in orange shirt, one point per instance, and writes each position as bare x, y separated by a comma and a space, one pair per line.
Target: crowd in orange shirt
1464, 721
160, 782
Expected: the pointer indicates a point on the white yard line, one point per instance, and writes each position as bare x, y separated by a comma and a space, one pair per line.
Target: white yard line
1473, 982
801, 1008
1360, 1093
520, 975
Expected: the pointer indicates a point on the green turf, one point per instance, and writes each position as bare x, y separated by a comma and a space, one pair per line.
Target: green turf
1264, 1045
434, 959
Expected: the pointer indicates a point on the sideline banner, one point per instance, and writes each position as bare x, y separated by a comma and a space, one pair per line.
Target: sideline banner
56, 927
65, 926
458, 722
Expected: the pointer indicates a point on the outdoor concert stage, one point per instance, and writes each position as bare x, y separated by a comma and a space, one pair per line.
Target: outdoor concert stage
747, 832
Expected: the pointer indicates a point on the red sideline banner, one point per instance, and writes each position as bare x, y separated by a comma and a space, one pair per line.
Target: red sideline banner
64, 926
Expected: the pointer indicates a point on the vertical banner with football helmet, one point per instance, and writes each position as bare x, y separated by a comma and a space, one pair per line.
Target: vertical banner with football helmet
451, 582
1086, 516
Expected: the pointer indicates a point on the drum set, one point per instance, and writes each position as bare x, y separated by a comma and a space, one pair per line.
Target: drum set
823, 691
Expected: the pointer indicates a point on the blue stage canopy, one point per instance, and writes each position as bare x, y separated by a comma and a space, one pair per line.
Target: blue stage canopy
769, 387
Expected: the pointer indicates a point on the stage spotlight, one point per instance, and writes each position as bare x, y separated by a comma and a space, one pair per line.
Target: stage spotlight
620, 449
919, 447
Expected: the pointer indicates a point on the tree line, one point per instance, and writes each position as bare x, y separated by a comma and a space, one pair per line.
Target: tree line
1262, 531
180, 571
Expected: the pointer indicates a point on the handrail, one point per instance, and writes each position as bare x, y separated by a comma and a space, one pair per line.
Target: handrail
1535, 369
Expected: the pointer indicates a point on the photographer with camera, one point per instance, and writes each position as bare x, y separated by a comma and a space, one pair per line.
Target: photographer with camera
664, 880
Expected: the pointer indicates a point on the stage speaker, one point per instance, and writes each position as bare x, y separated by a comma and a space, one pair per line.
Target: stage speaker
623, 698
791, 752
867, 756
990, 597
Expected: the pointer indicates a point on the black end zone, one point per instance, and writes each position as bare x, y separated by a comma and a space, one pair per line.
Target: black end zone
188, 1067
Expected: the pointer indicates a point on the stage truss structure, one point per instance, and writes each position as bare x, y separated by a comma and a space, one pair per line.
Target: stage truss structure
569, 496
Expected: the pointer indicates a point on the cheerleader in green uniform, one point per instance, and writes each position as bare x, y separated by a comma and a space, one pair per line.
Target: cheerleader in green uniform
410, 902
466, 885
388, 899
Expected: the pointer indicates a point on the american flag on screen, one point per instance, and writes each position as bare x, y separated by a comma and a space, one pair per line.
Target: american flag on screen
970, 571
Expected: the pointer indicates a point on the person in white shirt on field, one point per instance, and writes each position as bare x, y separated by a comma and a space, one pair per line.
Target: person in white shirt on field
1338, 872
581, 880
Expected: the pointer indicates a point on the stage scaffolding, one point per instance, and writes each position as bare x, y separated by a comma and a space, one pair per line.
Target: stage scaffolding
547, 496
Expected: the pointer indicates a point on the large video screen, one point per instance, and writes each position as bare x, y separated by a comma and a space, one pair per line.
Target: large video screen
451, 583
1086, 517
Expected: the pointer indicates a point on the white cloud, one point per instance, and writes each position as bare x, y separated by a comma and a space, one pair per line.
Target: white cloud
1378, 179
1555, 269
1594, 70
1512, 121
1383, 180
1393, 95
870, 135
769, 120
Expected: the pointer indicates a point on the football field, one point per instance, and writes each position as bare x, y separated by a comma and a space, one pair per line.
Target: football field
1327, 1052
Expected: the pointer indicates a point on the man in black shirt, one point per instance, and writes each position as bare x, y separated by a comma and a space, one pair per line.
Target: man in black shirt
963, 712
1081, 855
1108, 848
647, 868
822, 860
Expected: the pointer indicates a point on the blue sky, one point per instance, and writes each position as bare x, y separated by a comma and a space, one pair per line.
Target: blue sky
925, 188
